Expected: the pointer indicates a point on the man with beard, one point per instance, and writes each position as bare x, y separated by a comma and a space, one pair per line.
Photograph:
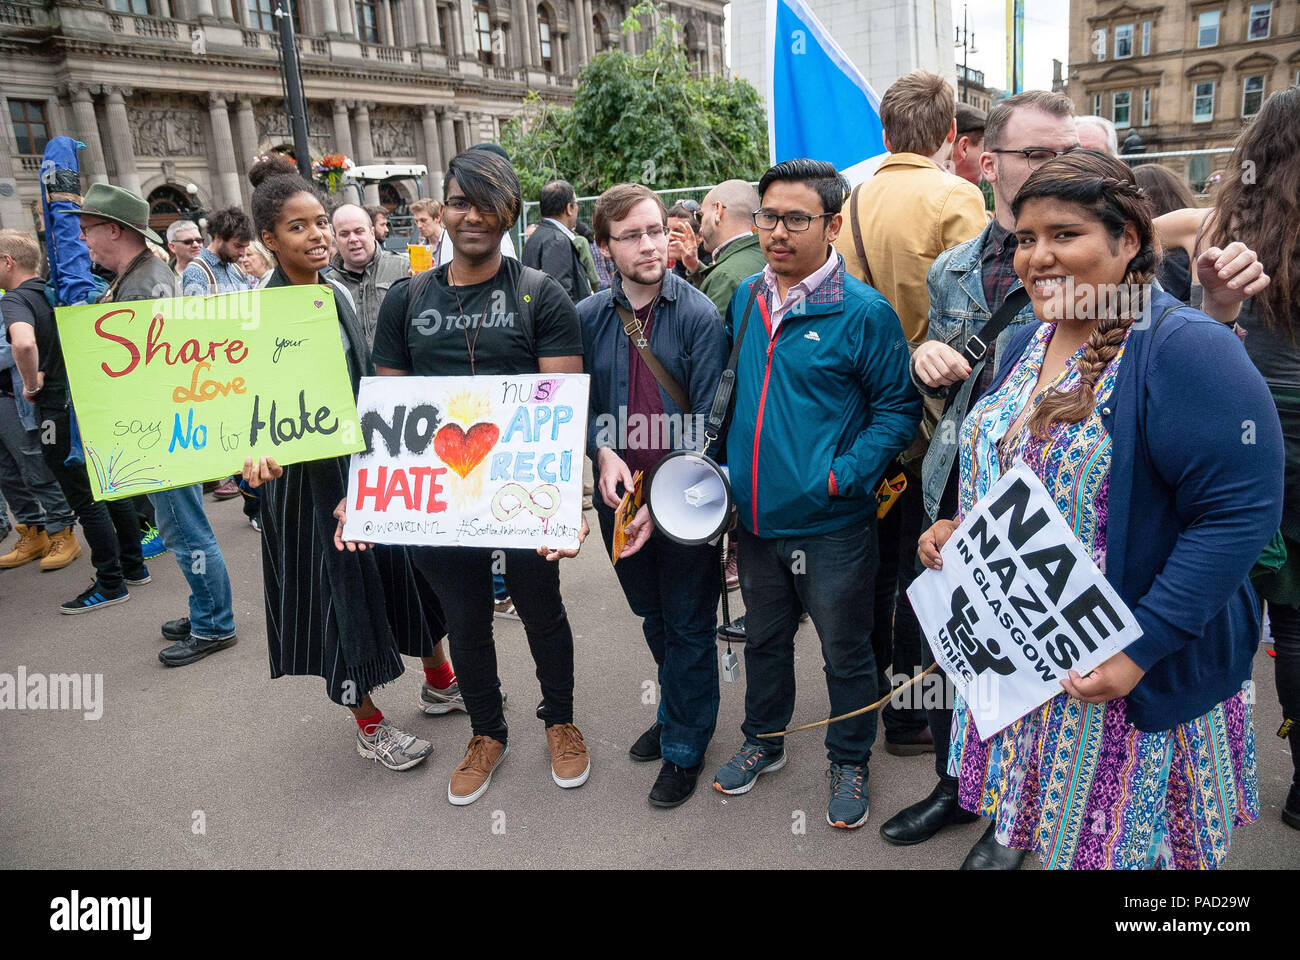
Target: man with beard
216, 268
655, 349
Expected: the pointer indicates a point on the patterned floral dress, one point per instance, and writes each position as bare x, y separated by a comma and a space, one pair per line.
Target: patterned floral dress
1073, 781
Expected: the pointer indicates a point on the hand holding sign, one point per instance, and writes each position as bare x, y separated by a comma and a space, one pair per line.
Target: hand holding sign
1108, 681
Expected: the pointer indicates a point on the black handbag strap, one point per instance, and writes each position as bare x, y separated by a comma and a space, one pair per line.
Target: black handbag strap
727, 383
977, 344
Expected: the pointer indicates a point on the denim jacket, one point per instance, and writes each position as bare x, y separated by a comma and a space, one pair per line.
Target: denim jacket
958, 310
26, 412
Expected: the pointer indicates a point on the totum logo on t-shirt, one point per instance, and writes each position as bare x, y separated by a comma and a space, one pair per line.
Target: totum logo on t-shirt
429, 322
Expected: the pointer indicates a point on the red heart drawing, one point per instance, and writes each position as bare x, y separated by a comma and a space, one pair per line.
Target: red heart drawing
464, 451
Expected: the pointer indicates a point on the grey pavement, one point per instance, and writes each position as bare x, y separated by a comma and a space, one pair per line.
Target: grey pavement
269, 768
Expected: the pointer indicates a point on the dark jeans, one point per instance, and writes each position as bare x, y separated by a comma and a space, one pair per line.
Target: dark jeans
674, 589
939, 718
111, 527
833, 576
1284, 624
462, 579
896, 635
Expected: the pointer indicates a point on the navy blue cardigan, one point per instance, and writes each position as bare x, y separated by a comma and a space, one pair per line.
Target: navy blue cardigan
1195, 494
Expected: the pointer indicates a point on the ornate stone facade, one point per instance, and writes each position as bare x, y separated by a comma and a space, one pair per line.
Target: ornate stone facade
177, 101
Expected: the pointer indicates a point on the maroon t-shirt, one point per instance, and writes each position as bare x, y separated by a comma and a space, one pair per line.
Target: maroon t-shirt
645, 426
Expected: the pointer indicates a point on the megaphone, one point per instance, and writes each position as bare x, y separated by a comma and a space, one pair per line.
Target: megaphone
689, 497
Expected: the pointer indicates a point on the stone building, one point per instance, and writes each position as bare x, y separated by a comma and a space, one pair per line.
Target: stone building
1184, 75
971, 89
173, 98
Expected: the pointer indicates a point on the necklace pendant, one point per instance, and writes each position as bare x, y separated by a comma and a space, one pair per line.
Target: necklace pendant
642, 343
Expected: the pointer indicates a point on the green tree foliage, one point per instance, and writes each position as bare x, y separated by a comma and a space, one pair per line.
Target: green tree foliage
643, 118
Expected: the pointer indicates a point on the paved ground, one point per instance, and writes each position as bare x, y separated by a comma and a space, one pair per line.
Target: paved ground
272, 766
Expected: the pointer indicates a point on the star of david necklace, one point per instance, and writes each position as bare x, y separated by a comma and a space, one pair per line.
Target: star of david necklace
469, 347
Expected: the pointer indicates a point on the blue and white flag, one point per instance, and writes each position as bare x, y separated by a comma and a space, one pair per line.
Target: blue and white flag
819, 104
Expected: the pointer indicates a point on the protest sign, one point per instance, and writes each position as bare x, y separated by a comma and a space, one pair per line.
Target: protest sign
469, 461
1017, 605
177, 391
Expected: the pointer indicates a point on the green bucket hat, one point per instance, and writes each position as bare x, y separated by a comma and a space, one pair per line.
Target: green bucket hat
120, 206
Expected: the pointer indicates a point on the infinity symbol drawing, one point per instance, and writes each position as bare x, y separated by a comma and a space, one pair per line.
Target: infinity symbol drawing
514, 498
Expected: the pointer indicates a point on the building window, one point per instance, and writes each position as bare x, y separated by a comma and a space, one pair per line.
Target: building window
1207, 29
1120, 106
135, 6
483, 33
444, 28
1198, 171
1203, 102
1261, 21
544, 35
1100, 44
1146, 37
1146, 107
1124, 41
1252, 95
367, 21
1096, 104
261, 15
31, 131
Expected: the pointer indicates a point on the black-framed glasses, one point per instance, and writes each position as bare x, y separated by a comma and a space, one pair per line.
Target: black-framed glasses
794, 222
655, 233
1036, 156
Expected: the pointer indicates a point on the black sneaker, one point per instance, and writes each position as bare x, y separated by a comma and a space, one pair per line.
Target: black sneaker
674, 785
139, 577
646, 747
191, 649
94, 597
733, 631
176, 630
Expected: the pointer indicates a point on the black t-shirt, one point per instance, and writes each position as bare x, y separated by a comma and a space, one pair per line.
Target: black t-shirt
432, 342
26, 303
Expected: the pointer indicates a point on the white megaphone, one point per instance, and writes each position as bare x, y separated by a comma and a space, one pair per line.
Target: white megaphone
689, 497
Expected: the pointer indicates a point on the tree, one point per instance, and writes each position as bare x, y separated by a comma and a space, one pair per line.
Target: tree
642, 118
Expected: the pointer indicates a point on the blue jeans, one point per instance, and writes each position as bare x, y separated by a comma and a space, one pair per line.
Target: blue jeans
186, 533
833, 575
675, 589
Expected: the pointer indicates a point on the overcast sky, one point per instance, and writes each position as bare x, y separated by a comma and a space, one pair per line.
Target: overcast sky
1047, 35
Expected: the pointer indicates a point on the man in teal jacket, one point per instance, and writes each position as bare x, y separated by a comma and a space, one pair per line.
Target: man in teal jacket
823, 403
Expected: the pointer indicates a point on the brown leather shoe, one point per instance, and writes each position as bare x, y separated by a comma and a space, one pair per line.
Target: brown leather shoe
62, 551
570, 764
31, 545
470, 779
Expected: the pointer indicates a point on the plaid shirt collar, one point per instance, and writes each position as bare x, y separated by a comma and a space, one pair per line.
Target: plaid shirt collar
825, 285
998, 262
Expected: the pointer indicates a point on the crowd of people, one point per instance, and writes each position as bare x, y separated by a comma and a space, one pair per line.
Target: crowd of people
896, 348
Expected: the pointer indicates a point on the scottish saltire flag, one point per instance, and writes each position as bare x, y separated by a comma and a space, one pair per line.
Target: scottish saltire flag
819, 104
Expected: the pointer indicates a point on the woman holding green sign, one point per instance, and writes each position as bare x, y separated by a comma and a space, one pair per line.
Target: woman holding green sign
346, 616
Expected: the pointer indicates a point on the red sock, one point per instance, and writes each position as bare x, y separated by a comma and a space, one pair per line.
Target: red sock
366, 722
441, 676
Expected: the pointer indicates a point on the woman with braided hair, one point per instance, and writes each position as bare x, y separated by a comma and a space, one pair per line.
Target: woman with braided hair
1174, 487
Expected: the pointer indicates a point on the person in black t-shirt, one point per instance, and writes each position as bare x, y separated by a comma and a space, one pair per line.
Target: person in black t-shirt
471, 318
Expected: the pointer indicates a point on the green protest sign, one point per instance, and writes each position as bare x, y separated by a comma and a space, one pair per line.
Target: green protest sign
177, 391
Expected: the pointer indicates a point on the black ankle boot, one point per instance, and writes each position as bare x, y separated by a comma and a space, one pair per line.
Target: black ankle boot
988, 854
921, 821
1291, 812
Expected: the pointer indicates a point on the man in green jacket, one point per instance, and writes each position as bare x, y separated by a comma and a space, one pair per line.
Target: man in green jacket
727, 231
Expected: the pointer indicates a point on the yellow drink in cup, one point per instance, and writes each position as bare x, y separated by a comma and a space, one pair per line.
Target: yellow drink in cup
421, 257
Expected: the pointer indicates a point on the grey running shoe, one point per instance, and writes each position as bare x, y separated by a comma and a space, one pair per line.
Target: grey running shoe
739, 773
435, 701
394, 749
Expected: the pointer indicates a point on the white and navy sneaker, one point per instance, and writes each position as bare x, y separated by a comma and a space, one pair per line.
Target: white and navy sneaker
93, 598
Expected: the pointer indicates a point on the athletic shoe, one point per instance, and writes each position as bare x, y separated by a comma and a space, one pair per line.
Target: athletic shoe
733, 631
471, 777
93, 598
255, 522
175, 630
570, 764
228, 489
192, 649
151, 543
139, 578
646, 747
505, 609
848, 804
740, 772
396, 750
435, 701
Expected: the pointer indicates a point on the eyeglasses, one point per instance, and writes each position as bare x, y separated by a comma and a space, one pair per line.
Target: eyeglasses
794, 222
655, 233
99, 223
188, 240
1037, 156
